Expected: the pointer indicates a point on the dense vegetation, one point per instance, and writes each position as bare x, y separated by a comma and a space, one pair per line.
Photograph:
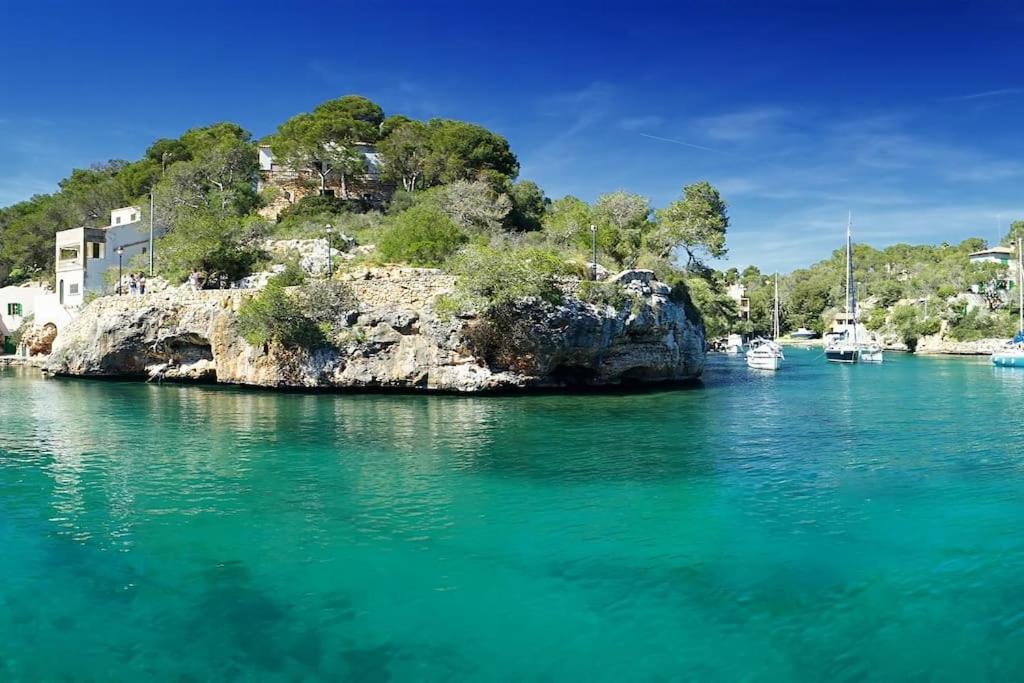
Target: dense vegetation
928, 280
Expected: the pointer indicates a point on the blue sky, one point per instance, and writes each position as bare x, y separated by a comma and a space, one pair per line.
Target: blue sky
908, 114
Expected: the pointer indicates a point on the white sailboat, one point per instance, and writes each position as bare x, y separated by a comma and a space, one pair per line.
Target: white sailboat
766, 354
846, 348
1012, 355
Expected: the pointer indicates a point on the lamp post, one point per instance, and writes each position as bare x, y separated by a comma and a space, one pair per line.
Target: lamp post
330, 256
120, 272
593, 243
152, 212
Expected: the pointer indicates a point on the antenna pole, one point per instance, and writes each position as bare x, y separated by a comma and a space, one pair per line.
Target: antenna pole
152, 208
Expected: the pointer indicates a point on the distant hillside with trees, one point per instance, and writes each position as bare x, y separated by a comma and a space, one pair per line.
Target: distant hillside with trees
908, 290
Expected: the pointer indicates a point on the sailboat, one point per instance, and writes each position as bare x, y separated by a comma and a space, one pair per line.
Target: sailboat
846, 348
1012, 355
766, 354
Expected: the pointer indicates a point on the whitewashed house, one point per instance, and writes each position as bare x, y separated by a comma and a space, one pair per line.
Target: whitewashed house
1004, 256
16, 304
86, 255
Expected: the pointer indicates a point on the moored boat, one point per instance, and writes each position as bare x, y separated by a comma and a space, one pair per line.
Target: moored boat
766, 354
845, 347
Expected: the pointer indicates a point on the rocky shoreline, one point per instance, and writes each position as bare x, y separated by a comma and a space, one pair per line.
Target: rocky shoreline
396, 340
934, 345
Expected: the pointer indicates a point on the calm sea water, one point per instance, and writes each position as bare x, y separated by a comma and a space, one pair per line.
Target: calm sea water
825, 523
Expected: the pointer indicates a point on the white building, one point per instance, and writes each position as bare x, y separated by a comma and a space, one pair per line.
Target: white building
16, 304
86, 255
738, 293
1001, 255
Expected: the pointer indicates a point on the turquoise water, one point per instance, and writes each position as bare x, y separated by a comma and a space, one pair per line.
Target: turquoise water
827, 523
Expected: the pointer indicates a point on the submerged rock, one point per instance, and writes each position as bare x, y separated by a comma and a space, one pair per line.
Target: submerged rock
396, 340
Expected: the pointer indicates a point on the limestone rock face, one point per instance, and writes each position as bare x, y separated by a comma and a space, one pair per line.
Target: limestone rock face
395, 340
39, 339
938, 345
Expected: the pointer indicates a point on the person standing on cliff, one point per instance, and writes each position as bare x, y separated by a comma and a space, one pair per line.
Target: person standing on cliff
142, 284
133, 284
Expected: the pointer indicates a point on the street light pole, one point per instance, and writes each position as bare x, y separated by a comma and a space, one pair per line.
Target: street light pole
593, 263
120, 272
330, 256
152, 206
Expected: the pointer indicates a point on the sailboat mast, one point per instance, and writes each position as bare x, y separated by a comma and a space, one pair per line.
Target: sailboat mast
1020, 288
851, 305
775, 322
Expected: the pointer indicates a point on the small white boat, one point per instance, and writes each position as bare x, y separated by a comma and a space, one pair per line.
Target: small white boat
1012, 355
803, 333
766, 354
871, 353
734, 345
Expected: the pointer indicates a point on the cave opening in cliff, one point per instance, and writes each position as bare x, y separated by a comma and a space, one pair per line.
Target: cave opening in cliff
574, 375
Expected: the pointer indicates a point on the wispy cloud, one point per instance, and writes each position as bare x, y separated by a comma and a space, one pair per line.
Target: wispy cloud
742, 126
1001, 92
569, 120
635, 123
680, 142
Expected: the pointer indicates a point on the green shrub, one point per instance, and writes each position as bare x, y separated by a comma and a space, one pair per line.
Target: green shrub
603, 293
929, 326
421, 236
402, 201
977, 324
304, 317
490, 277
876, 319
946, 291
292, 275
313, 206
498, 283
910, 324
327, 303
888, 292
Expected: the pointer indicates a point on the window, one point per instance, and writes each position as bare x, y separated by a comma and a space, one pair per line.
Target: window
73, 289
95, 250
14, 309
134, 217
69, 253
117, 221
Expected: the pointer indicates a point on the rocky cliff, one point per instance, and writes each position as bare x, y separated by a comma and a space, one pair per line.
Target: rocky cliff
395, 339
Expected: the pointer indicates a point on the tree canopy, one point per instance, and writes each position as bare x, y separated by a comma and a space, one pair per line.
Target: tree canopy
697, 223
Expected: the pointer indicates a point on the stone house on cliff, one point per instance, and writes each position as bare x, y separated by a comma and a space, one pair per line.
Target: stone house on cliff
289, 185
